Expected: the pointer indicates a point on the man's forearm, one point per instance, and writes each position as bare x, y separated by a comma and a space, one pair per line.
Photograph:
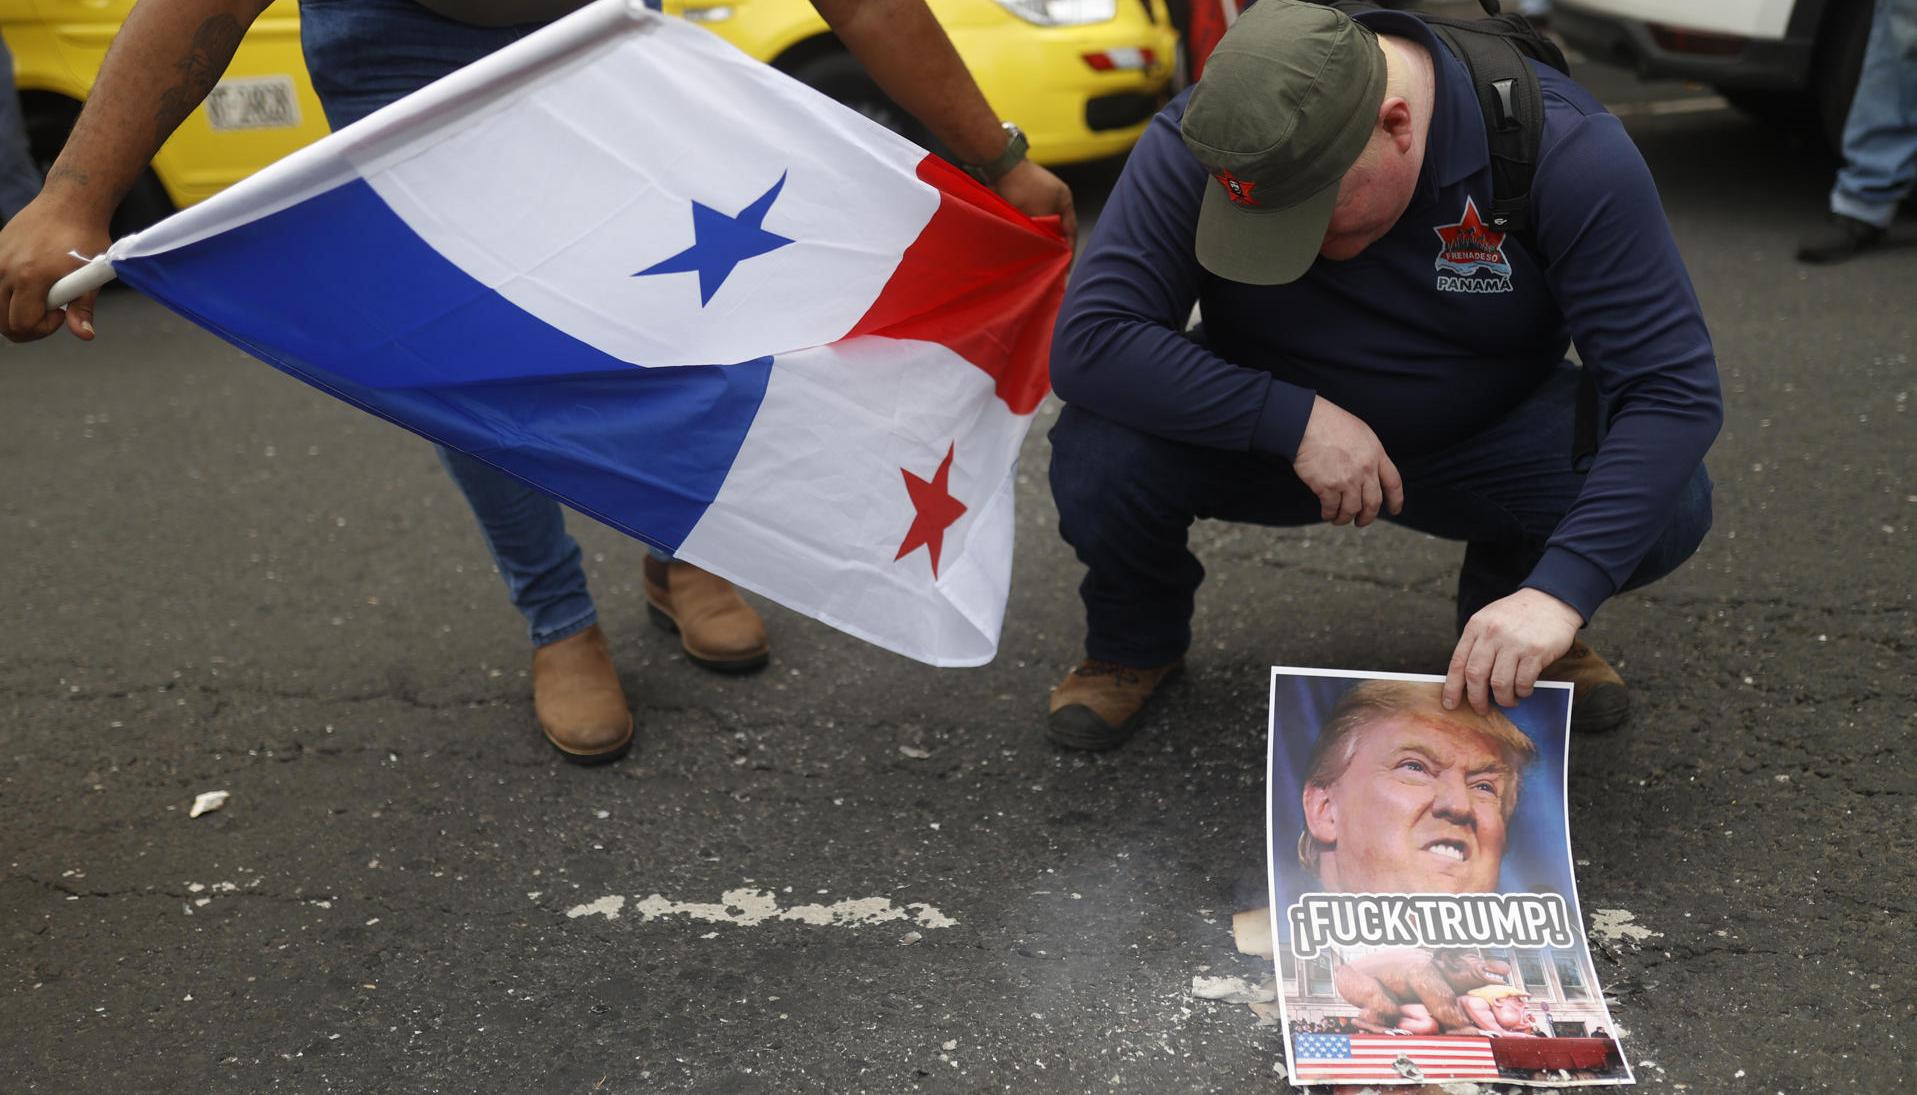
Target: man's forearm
164, 61
912, 60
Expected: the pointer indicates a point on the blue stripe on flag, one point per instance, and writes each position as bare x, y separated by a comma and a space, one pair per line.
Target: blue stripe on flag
341, 293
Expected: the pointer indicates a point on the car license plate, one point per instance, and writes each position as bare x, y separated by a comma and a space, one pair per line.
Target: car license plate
259, 102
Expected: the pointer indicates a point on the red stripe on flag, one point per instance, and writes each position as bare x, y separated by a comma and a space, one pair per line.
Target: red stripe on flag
1440, 1044
982, 279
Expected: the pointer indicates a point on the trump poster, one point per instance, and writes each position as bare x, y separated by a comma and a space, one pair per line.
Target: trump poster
1422, 902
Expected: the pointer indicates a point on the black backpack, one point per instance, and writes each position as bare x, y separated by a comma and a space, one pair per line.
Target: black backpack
1494, 50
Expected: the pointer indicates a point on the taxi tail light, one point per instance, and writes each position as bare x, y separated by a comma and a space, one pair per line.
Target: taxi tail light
1697, 42
1121, 60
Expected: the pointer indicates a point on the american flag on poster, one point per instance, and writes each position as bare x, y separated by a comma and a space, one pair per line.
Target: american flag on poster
1350, 1058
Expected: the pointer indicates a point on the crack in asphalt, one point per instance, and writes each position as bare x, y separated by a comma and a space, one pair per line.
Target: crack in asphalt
1887, 907
1780, 604
62, 888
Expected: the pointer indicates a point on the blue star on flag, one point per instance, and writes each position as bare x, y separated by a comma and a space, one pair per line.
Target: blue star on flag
722, 242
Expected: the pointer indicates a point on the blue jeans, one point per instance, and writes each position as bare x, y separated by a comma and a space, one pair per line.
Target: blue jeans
362, 55
19, 178
1126, 500
1880, 135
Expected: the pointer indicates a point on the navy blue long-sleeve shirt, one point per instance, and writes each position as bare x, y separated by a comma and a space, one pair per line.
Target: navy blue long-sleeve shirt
1430, 335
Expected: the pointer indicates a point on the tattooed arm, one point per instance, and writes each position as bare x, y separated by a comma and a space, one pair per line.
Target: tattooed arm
165, 60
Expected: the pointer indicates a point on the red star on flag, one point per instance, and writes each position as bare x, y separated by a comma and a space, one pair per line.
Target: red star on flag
1237, 189
1469, 236
937, 510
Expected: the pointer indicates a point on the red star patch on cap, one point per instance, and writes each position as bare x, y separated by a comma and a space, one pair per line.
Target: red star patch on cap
1237, 189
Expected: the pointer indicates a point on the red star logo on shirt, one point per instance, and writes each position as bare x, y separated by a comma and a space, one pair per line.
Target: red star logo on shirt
1469, 241
937, 510
1237, 189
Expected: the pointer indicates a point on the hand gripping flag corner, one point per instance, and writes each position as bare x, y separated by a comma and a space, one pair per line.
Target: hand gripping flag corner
679, 292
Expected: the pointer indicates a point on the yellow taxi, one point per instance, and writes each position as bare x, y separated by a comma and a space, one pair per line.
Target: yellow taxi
262, 109
1080, 77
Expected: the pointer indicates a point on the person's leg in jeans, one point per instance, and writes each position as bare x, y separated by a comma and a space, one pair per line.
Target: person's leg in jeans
1880, 139
1880, 135
362, 55
537, 558
19, 178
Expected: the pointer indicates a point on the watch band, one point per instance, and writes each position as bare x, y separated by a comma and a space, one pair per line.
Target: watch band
1016, 146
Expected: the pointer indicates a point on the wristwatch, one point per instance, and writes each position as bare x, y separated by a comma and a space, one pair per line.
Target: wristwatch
1016, 146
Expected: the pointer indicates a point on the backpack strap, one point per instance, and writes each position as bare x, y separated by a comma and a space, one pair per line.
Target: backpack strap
1512, 104
1494, 50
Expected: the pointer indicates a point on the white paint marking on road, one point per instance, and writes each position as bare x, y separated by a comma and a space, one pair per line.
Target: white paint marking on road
860, 910
931, 917
748, 907
608, 906
1618, 926
1692, 104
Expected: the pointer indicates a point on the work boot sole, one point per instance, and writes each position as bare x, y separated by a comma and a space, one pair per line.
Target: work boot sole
1601, 709
1078, 727
744, 664
588, 759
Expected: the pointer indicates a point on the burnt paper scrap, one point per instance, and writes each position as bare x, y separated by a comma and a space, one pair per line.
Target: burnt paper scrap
1423, 910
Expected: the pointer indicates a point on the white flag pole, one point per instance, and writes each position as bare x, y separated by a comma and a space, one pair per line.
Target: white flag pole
97, 272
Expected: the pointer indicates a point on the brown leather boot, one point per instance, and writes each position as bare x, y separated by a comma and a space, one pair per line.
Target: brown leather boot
1096, 706
577, 697
1599, 700
715, 625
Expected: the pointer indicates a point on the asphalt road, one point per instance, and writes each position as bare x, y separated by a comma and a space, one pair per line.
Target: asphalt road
217, 579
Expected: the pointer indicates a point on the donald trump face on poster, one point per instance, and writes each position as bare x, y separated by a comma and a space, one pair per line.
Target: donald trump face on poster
1403, 796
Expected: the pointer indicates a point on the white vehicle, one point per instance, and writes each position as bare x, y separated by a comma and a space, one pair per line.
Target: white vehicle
1788, 60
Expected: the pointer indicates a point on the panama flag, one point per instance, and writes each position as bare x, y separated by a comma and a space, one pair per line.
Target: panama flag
679, 292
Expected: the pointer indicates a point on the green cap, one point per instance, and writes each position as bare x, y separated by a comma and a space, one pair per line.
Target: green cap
1287, 102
